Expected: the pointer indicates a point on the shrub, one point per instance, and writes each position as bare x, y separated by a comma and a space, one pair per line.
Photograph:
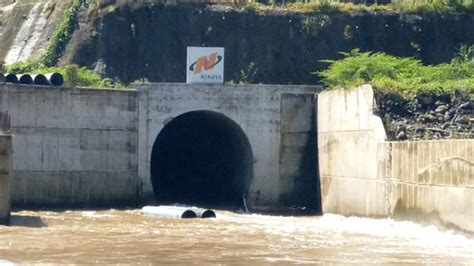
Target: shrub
62, 34
406, 76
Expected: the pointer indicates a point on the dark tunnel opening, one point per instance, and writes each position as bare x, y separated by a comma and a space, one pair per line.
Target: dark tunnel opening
202, 158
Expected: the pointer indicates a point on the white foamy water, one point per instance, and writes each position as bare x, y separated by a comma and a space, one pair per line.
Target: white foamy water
28, 35
127, 236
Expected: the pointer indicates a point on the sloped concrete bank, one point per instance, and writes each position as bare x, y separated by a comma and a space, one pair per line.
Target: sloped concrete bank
362, 174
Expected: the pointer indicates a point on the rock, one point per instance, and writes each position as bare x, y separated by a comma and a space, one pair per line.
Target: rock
441, 108
463, 119
441, 118
461, 107
431, 117
426, 99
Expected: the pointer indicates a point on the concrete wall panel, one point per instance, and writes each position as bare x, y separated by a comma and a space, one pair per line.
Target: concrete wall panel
73, 147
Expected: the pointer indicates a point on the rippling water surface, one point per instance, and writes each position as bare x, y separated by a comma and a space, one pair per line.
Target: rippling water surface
118, 236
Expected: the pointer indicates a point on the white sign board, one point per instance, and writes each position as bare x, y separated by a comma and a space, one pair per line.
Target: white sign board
205, 65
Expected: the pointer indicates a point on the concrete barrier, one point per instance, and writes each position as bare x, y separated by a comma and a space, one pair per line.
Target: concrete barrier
362, 174
5, 179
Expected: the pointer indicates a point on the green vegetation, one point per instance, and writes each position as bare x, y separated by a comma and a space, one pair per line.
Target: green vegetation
62, 35
405, 76
327, 6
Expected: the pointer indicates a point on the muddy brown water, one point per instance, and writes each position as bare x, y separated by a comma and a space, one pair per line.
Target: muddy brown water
127, 236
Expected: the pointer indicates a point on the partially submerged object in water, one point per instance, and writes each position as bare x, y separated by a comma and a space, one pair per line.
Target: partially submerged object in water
178, 212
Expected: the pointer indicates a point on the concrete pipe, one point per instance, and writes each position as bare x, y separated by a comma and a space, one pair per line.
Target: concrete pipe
204, 213
2, 77
40, 79
169, 212
25, 79
55, 79
11, 78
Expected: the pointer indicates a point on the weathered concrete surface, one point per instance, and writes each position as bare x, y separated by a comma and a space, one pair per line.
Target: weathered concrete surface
5, 178
258, 111
73, 147
348, 133
425, 181
433, 181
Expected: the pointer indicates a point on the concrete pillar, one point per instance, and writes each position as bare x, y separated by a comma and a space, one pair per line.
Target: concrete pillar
5, 178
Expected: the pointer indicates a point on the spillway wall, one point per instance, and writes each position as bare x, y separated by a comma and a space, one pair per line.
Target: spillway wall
362, 174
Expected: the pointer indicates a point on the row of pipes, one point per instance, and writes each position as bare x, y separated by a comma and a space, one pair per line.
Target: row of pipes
50, 79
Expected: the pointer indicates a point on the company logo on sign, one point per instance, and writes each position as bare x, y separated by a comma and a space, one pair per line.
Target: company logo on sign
205, 65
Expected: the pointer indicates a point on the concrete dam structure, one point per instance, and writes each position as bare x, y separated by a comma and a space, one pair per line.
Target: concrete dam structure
214, 145
268, 148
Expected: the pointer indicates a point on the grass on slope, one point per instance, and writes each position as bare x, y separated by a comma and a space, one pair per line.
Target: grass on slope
408, 6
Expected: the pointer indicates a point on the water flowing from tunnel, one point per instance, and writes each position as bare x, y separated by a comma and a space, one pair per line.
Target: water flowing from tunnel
126, 236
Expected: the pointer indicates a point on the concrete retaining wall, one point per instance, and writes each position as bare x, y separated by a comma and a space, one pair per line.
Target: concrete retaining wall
361, 174
92, 148
433, 181
5, 179
73, 147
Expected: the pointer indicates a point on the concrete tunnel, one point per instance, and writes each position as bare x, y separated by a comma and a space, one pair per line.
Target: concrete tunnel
202, 158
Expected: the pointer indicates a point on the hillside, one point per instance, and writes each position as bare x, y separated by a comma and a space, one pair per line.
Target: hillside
27, 27
127, 40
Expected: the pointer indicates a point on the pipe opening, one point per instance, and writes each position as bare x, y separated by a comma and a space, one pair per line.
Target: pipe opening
55, 79
208, 214
25, 79
11, 78
201, 158
40, 79
188, 214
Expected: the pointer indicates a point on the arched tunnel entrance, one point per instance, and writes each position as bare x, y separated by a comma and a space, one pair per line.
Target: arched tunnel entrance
202, 158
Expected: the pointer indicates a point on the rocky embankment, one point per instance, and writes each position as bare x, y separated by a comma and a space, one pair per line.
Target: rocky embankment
427, 115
